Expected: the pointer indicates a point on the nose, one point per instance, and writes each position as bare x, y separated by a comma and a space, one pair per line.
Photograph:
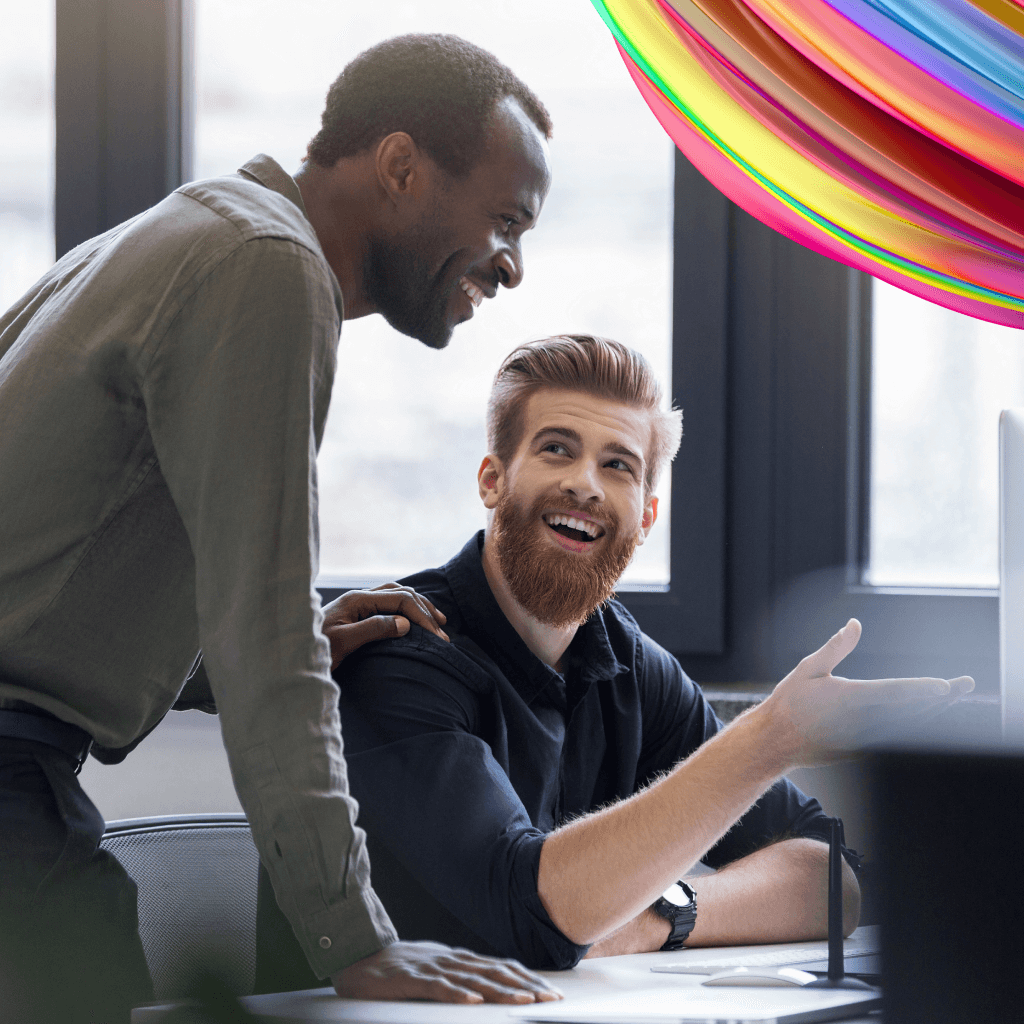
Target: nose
508, 265
582, 481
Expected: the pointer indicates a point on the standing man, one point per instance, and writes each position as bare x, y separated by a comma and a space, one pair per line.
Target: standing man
163, 391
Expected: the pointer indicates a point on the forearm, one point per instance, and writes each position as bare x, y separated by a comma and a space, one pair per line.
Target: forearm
647, 932
601, 871
776, 894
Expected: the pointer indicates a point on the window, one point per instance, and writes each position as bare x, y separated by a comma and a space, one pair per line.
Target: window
405, 434
26, 158
770, 343
939, 381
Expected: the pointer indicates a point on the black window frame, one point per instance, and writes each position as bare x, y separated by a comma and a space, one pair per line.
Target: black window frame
771, 366
123, 111
797, 406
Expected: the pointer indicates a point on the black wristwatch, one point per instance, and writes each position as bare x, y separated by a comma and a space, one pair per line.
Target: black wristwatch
678, 905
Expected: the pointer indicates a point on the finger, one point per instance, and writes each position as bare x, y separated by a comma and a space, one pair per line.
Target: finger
897, 691
422, 612
491, 990
348, 637
438, 990
431, 608
962, 685
393, 599
347, 607
524, 976
823, 660
509, 974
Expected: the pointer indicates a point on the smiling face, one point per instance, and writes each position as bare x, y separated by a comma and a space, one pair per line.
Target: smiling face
461, 239
570, 508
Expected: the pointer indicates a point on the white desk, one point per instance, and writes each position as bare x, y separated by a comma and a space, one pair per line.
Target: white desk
592, 978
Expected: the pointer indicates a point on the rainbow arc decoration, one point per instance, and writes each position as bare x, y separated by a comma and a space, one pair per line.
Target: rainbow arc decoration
886, 134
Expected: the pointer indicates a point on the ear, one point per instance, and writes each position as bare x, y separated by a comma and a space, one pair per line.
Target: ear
648, 519
490, 480
399, 165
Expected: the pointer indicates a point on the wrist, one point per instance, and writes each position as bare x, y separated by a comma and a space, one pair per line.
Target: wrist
766, 732
678, 906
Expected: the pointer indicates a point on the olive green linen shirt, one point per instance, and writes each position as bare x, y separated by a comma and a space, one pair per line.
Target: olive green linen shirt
163, 391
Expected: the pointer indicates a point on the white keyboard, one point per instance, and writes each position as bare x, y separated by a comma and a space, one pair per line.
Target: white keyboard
776, 958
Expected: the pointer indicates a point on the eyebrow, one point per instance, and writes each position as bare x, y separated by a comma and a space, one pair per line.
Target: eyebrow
569, 435
525, 211
621, 449
572, 435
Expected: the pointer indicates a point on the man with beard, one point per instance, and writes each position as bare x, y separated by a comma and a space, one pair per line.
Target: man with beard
535, 786
163, 392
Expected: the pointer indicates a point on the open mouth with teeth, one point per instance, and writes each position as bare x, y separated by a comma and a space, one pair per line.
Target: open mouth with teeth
580, 530
476, 296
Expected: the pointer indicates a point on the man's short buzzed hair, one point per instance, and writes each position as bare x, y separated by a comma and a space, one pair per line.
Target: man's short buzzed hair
440, 89
580, 362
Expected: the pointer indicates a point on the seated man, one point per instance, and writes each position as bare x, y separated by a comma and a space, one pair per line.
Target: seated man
532, 787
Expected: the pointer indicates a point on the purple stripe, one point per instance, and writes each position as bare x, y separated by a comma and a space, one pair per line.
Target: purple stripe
972, 86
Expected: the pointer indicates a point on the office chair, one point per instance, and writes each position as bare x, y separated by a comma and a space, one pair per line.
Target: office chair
197, 877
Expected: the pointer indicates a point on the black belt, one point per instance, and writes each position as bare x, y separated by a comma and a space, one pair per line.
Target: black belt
42, 727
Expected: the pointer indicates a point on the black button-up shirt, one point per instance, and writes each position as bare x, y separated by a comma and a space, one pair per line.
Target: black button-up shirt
464, 756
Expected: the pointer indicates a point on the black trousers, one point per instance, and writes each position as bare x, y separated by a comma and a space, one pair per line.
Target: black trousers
281, 966
69, 941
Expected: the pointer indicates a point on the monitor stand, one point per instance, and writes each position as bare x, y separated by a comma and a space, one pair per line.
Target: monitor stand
836, 977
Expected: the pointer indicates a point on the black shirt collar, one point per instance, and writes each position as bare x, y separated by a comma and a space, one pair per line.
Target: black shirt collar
590, 655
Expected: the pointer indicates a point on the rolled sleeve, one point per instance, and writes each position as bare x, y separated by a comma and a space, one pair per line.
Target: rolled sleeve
446, 811
236, 396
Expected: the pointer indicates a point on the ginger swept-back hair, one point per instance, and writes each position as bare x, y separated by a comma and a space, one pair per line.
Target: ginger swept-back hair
580, 362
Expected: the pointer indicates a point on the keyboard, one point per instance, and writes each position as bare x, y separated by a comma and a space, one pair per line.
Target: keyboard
789, 957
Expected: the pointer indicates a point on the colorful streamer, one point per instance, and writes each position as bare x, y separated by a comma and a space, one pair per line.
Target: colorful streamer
886, 134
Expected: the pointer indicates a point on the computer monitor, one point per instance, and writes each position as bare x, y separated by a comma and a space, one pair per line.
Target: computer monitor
1011, 573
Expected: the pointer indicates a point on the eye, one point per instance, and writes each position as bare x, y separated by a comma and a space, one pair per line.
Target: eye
556, 448
509, 223
620, 464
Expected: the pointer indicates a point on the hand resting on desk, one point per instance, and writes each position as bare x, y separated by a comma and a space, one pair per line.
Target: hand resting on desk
430, 970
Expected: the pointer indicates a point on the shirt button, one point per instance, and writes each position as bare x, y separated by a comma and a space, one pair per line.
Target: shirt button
325, 942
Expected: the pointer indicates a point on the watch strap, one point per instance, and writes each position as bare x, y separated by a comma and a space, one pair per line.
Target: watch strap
682, 919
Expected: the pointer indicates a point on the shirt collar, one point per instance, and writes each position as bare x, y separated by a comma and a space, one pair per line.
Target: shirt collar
590, 650
270, 174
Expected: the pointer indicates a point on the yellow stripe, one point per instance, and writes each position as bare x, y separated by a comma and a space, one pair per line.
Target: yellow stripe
777, 161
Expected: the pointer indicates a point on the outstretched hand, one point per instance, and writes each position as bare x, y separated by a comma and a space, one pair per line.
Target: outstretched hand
361, 616
821, 716
430, 970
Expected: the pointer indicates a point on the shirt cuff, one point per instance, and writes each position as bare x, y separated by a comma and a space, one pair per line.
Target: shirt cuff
346, 932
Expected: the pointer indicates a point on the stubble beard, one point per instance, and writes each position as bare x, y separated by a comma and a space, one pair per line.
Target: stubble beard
398, 282
557, 587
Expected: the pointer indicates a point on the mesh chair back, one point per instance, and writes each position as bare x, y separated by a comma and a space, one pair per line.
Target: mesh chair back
197, 878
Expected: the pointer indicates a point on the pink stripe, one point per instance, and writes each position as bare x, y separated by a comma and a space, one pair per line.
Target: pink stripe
746, 193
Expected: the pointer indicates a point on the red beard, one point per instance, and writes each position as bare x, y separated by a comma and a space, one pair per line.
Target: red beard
557, 587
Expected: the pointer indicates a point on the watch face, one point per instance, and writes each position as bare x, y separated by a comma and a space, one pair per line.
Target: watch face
677, 895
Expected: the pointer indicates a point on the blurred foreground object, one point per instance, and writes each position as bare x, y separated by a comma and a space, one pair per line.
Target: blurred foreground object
886, 134
952, 891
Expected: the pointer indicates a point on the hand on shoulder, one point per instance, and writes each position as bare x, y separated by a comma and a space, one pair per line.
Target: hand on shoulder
361, 616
